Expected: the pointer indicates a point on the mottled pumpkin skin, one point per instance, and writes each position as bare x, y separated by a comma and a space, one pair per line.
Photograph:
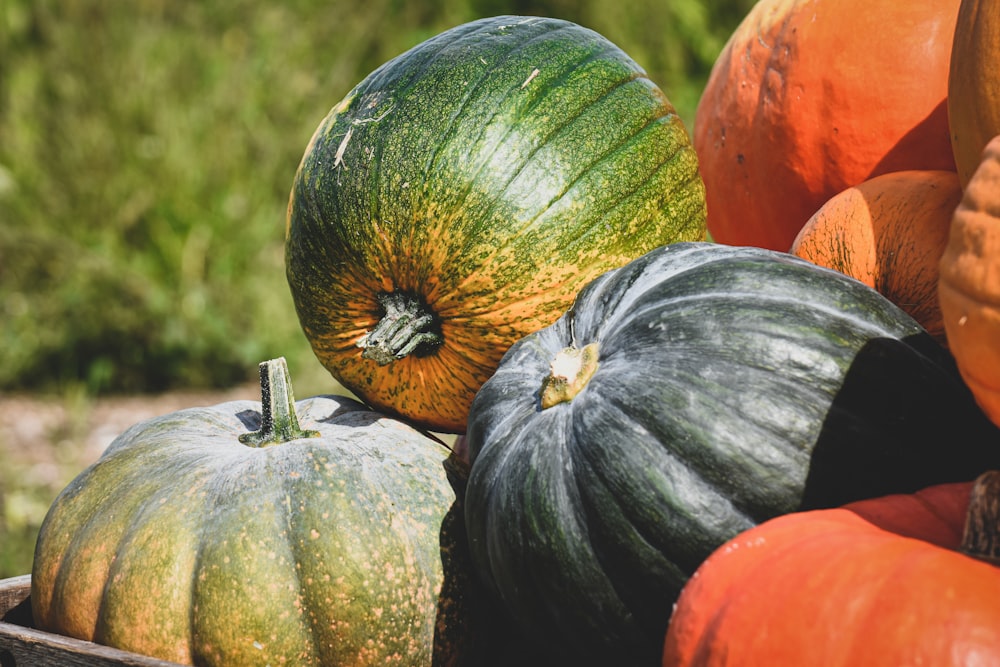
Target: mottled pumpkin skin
877, 582
182, 543
732, 385
810, 97
489, 172
888, 232
969, 282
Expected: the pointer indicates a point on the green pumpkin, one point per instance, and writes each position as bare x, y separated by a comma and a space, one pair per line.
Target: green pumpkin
459, 197
684, 398
198, 539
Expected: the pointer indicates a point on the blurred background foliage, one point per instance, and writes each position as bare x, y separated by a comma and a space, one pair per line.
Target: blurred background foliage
147, 149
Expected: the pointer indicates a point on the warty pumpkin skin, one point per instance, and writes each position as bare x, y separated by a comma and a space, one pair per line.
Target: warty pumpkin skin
878, 582
810, 97
695, 392
973, 85
969, 282
889, 232
460, 196
319, 545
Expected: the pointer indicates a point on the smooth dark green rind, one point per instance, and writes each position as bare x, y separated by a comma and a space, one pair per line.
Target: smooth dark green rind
182, 542
498, 158
734, 385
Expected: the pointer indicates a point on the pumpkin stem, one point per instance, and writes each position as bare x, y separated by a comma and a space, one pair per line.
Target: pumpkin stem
569, 373
407, 326
981, 538
279, 423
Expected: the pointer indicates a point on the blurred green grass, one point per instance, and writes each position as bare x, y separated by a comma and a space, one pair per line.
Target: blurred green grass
147, 150
146, 153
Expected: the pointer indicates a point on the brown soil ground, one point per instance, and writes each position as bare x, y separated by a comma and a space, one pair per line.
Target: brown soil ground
41, 432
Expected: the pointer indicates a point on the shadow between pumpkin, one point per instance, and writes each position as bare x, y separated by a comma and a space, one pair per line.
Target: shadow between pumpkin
936, 155
939, 433
473, 628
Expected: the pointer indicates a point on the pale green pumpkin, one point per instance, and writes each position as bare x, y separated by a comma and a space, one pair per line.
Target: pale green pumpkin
231, 535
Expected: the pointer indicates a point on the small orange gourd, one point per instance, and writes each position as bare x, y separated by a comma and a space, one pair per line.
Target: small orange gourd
973, 84
969, 283
888, 232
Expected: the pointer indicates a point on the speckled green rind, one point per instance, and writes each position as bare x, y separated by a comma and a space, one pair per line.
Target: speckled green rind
182, 543
490, 171
733, 385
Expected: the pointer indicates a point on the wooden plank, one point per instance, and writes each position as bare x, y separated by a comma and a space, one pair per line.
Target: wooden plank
22, 645
14, 594
25, 646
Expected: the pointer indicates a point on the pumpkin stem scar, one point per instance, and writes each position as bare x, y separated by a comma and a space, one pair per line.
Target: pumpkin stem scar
981, 537
569, 373
407, 327
279, 423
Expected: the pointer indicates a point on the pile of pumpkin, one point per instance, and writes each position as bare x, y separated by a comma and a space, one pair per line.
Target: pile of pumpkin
501, 234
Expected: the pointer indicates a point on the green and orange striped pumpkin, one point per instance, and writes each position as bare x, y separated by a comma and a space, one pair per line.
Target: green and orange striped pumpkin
459, 197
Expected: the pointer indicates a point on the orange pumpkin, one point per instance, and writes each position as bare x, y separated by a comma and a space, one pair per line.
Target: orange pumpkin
876, 582
973, 84
969, 283
888, 232
810, 97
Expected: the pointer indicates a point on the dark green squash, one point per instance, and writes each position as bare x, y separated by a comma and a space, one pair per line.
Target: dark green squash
684, 398
460, 196
198, 539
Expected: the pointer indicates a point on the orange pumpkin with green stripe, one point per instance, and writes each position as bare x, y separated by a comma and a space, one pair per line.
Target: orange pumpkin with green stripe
459, 197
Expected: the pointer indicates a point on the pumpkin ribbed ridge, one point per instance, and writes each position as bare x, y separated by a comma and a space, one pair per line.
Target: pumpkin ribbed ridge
581, 104
969, 282
184, 544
